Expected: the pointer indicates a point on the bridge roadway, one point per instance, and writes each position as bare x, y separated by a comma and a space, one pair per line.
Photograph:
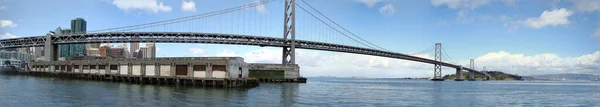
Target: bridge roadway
210, 38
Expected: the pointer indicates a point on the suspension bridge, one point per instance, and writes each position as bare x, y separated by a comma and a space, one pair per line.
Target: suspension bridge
242, 25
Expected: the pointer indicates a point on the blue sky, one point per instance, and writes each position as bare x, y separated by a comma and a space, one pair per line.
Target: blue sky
517, 36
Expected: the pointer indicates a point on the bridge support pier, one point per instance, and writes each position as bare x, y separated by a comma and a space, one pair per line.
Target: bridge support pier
459, 74
49, 48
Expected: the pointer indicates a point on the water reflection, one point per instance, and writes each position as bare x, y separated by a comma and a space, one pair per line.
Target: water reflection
38, 91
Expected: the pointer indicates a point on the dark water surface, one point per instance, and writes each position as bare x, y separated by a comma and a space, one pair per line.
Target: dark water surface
38, 91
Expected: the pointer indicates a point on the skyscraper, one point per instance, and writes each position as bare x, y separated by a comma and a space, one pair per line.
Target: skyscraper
134, 47
78, 26
151, 51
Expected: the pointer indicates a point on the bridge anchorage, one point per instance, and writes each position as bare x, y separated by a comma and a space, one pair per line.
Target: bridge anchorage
343, 40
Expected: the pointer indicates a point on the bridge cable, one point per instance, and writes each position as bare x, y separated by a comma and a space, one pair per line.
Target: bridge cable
448, 55
332, 26
341, 26
177, 20
423, 51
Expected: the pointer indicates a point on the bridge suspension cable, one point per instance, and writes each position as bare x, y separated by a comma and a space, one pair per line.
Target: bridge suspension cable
423, 51
183, 19
447, 57
303, 9
346, 30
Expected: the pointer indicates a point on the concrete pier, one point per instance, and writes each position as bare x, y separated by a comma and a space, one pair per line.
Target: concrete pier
204, 71
459, 74
276, 73
158, 80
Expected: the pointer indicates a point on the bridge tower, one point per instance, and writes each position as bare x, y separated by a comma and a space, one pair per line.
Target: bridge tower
484, 70
289, 29
472, 66
437, 68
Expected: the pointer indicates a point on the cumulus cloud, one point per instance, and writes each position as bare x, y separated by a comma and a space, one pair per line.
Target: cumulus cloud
139, 6
540, 63
387, 9
7, 36
463, 7
320, 63
7, 23
555, 17
369, 3
587, 5
460, 4
189, 6
198, 51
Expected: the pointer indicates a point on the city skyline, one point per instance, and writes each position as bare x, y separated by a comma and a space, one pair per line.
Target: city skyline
543, 37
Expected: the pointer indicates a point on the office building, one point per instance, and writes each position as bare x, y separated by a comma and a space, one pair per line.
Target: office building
134, 47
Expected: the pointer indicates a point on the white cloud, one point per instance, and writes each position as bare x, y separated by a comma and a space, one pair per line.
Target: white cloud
387, 9
138, 6
510, 2
3, 7
7, 23
198, 51
261, 7
587, 5
320, 63
188, 6
463, 7
460, 4
539, 64
7, 36
369, 3
227, 53
555, 17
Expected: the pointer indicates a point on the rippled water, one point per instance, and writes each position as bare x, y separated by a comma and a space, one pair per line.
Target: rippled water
38, 91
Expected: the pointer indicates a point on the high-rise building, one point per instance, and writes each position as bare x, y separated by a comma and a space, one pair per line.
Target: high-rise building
118, 52
143, 53
134, 47
78, 26
64, 50
148, 51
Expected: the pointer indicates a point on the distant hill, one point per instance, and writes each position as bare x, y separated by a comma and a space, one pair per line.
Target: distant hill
496, 75
567, 76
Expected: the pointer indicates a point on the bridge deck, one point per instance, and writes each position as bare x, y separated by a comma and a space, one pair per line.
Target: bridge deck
210, 38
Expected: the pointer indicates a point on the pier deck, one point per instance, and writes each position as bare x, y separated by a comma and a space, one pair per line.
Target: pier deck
159, 80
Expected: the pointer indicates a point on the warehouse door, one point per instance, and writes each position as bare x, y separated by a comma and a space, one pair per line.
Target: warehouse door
181, 70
